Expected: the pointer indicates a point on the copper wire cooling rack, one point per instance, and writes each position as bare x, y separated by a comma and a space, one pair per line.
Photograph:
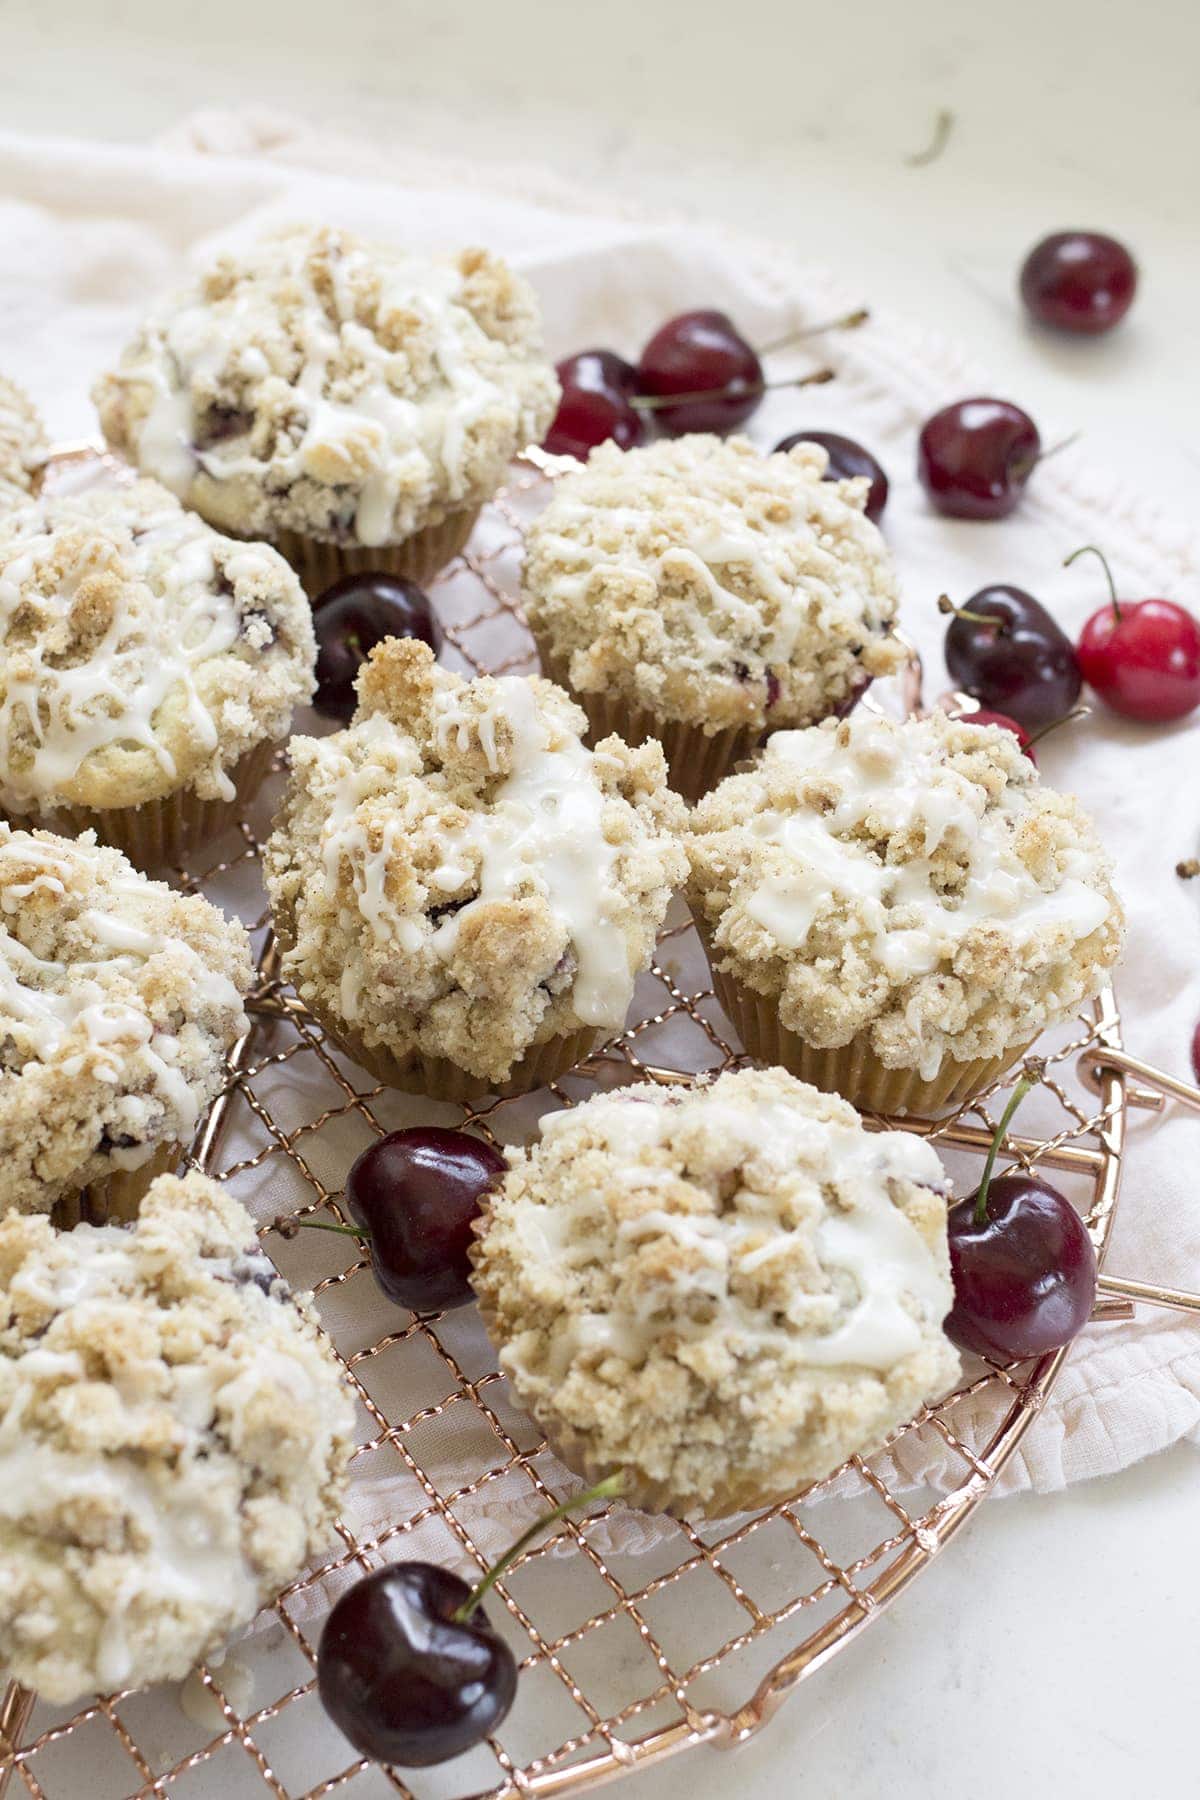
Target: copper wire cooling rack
636, 1638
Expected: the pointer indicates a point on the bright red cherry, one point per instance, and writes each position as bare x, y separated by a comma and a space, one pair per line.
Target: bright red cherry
596, 389
1081, 281
354, 615
847, 459
984, 717
975, 457
703, 358
418, 1193
1141, 656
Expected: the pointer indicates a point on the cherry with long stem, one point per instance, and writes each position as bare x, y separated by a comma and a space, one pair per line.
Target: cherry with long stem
610, 1488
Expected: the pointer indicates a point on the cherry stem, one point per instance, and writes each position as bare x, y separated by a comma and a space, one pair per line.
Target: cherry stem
608, 1489
287, 1228
1091, 550
1029, 1079
1062, 444
946, 605
848, 322
1044, 731
653, 402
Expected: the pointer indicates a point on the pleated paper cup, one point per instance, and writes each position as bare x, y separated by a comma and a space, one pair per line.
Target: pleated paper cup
116, 1199
165, 830
695, 762
852, 1070
419, 558
437, 1078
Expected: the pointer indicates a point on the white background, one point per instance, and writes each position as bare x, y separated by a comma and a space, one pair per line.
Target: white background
1054, 1650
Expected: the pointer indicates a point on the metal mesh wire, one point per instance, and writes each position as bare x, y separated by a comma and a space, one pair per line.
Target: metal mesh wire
633, 1641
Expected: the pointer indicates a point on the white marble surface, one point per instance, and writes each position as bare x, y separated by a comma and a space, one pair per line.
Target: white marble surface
1054, 1648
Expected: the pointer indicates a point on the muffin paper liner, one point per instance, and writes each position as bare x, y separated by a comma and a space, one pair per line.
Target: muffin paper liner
437, 1078
419, 558
852, 1070
695, 763
117, 1198
160, 831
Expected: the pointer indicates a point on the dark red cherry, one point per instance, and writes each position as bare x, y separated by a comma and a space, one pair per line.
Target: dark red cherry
846, 460
691, 355
402, 1677
354, 615
418, 1193
1081, 281
1196, 1053
985, 717
1141, 656
974, 458
595, 405
1024, 1275
1004, 649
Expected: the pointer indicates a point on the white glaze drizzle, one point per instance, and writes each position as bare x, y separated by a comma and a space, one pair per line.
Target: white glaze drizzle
155, 643
542, 832
900, 1292
891, 778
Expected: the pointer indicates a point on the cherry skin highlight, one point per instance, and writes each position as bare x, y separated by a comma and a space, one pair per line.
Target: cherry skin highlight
1024, 1278
354, 615
847, 459
405, 1680
418, 1193
704, 356
1007, 652
975, 457
1079, 281
596, 389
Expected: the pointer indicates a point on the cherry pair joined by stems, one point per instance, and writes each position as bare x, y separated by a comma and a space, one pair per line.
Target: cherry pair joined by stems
415, 1196
1141, 656
1024, 1267
697, 373
410, 1667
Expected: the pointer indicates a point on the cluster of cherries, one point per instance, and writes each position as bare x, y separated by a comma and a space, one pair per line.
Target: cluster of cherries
409, 1666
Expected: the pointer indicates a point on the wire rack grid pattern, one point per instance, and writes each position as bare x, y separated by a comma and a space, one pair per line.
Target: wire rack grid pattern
631, 1646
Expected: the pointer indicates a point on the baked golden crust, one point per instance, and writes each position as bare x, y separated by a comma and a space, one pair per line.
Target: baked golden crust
22, 442
119, 999
455, 874
712, 584
912, 881
723, 1291
347, 391
174, 1435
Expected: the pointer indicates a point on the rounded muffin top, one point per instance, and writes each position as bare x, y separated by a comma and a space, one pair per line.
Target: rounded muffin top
348, 391
22, 441
118, 1000
174, 1435
709, 583
911, 880
724, 1291
140, 652
456, 875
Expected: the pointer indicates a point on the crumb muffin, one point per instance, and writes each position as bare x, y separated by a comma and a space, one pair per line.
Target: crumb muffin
174, 1436
351, 402
699, 592
22, 443
148, 668
725, 1290
897, 910
464, 895
119, 999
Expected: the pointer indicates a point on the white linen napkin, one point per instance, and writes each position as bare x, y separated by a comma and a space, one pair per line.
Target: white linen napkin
91, 231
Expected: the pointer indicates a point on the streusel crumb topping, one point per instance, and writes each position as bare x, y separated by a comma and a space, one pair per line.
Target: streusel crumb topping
118, 1001
914, 880
455, 873
710, 583
140, 651
174, 1434
22, 442
724, 1291
349, 391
